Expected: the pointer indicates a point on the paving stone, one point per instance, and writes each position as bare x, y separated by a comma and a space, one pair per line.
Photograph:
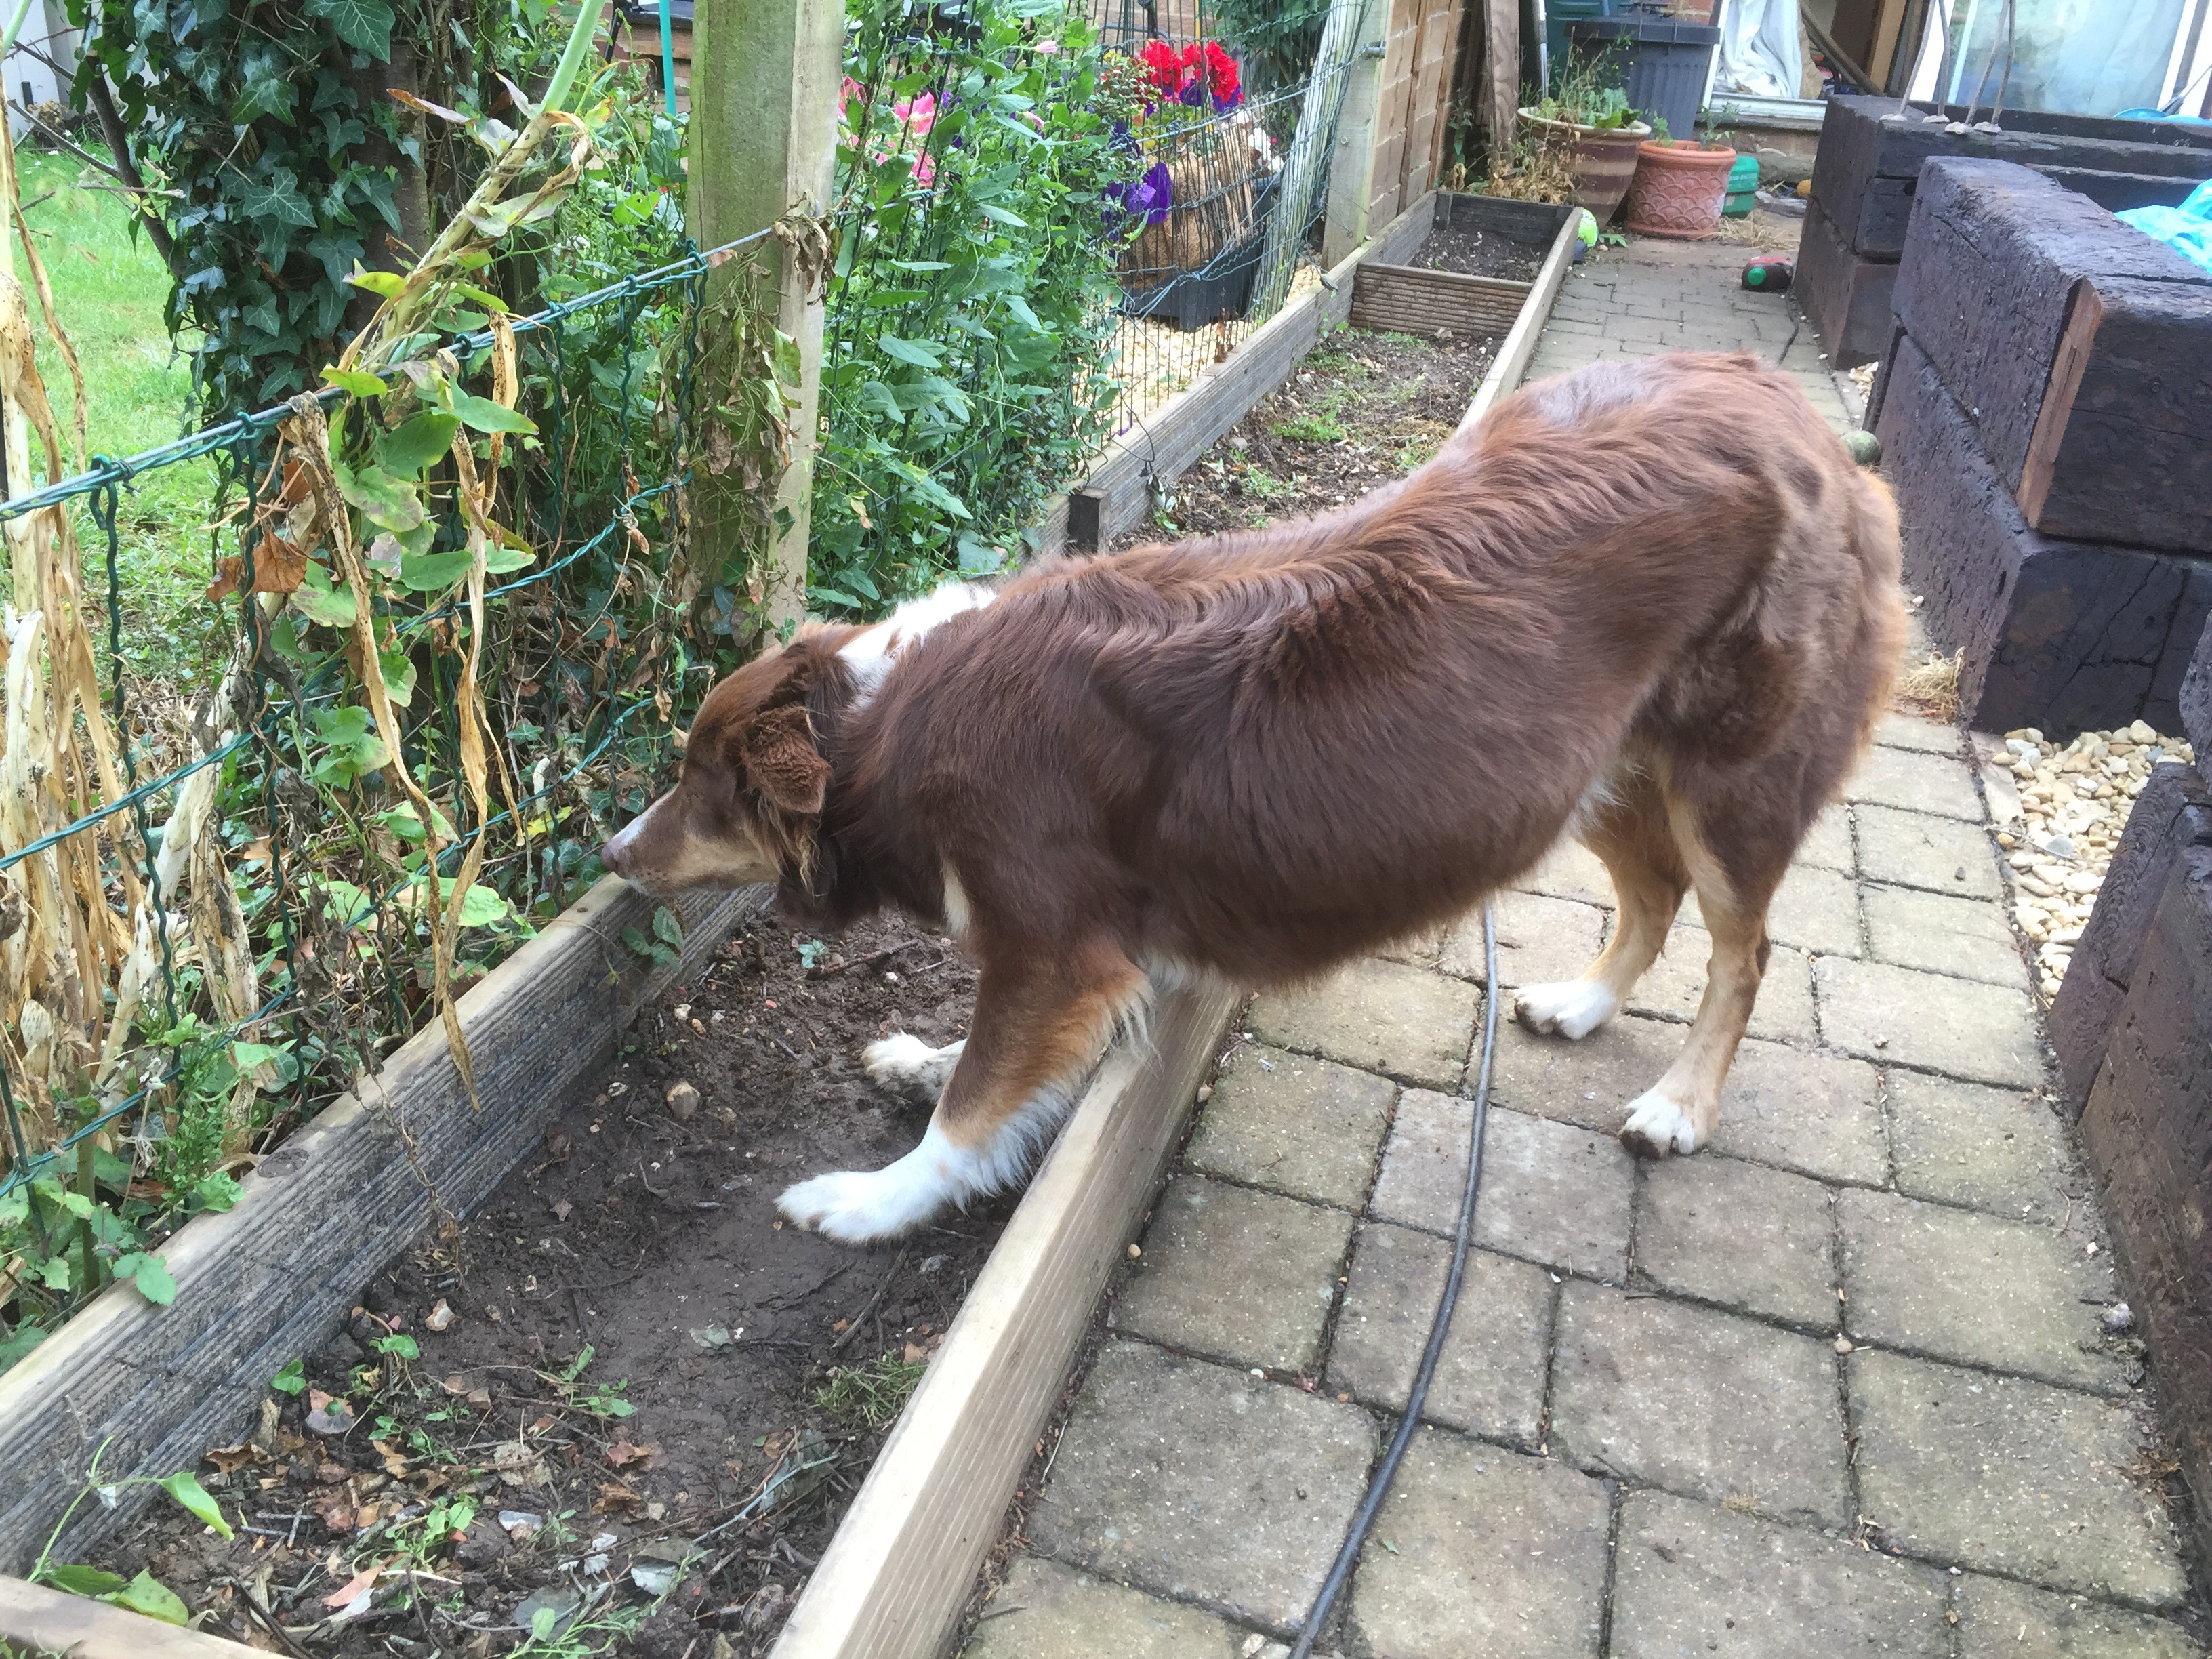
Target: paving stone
1742, 1235
1699, 1402
1552, 1192
2014, 1296
1813, 909
1282, 1256
1674, 985
1202, 1483
1827, 844
1540, 939
1488, 1552
1916, 731
1915, 849
1379, 1016
1940, 784
2005, 1475
1999, 1619
1693, 1579
1572, 871
1970, 938
1983, 1033
1048, 1611
1489, 1378
1993, 1148
1304, 1126
1819, 1114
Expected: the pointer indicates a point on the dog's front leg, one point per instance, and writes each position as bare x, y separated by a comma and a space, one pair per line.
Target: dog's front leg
1042, 1015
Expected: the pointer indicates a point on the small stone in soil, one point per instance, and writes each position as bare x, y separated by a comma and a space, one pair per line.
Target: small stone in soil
683, 1101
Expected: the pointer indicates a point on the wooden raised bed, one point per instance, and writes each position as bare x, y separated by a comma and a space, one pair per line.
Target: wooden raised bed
1405, 299
272, 1278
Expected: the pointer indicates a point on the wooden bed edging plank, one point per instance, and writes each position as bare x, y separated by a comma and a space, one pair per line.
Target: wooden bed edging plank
895, 1577
1511, 363
37, 1620
329, 1208
1163, 444
1406, 300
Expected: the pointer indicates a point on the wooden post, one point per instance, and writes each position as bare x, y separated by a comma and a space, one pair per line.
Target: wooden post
764, 81
1503, 47
1351, 168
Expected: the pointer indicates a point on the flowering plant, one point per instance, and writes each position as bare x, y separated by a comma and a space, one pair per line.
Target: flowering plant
1199, 74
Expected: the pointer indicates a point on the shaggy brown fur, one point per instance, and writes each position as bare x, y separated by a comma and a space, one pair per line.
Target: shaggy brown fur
1654, 602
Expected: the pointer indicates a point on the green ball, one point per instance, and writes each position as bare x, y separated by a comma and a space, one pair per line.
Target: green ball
1587, 230
1865, 447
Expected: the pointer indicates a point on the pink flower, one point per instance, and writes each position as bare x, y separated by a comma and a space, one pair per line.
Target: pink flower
920, 116
1048, 47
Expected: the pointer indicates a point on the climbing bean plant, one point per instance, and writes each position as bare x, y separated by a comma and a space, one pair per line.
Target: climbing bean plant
966, 372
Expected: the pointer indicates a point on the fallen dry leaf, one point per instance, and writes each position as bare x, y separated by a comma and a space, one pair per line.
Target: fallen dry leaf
615, 1495
229, 1459
354, 1586
453, 1385
561, 1210
621, 1453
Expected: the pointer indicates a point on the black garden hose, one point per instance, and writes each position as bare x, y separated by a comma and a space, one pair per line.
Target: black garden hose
1379, 1487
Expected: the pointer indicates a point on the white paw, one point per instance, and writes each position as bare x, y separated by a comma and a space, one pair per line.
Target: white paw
1657, 1125
853, 1206
1572, 1008
907, 1063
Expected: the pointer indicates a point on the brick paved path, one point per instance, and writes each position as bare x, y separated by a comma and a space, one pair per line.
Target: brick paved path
1837, 1385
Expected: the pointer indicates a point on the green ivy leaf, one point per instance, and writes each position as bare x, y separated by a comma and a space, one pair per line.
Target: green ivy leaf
291, 1380
185, 1486
416, 443
387, 502
483, 414
364, 25
668, 927
399, 670
506, 556
276, 197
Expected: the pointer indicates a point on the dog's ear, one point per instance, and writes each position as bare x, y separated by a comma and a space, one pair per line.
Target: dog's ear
781, 761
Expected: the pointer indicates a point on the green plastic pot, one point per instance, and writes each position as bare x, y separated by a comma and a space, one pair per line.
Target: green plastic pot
1743, 187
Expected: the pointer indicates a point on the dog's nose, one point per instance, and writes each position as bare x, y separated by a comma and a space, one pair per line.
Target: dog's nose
616, 854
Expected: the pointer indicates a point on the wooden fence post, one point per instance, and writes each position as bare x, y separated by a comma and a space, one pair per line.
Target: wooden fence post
1352, 167
1502, 105
764, 84
1301, 174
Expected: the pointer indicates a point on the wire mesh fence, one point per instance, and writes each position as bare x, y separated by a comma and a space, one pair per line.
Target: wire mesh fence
211, 931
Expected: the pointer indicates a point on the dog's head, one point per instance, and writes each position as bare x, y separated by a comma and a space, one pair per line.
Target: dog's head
747, 806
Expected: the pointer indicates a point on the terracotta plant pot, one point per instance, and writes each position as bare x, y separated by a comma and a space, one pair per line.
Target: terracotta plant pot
1603, 159
1679, 189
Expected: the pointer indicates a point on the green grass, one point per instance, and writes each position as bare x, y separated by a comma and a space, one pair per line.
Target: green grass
109, 291
867, 1396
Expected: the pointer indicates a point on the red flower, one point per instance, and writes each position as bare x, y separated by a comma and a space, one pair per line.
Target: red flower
1221, 76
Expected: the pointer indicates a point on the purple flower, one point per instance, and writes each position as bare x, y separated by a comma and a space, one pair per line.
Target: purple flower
1147, 196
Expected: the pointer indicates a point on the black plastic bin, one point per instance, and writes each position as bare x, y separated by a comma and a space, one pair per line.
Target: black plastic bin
1664, 62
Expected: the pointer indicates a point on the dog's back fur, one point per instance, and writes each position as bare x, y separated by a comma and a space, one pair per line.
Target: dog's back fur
1653, 601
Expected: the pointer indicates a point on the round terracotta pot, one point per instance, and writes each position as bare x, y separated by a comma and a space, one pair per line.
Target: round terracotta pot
1603, 159
1678, 190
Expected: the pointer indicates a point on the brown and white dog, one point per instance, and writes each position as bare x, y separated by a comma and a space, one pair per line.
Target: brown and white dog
1652, 603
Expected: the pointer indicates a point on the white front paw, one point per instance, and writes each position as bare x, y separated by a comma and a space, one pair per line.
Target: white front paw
854, 1207
1657, 1125
1571, 1008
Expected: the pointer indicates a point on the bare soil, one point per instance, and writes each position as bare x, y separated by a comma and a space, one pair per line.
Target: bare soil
1365, 408
1474, 252
737, 1366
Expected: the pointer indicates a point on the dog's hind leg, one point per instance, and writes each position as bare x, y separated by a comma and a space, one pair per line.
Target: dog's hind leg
1040, 1020
1681, 1111
1630, 832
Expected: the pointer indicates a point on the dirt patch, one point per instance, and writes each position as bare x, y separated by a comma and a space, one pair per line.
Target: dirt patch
1363, 409
624, 1352
1474, 252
